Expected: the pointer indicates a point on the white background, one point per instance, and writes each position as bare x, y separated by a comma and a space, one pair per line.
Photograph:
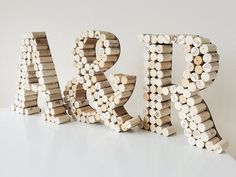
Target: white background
63, 20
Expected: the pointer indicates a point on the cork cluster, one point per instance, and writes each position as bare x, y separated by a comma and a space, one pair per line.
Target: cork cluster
90, 96
202, 64
37, 73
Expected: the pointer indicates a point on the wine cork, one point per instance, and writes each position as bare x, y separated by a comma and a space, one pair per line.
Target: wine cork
185, 82
200, 84
147, 38
189, 117
193, 126
162, 105
165, 90
146, 125
111, 43
194, 77
163, 120
162, 98
163, 39
198, 41
204, 126
174, 97
180, 89
123, 118
182, 99
29, 104
152, 96
192, 87
181, 39
31, 110
178, 105
208, 76
207, 48
151, 104
153, 73
200, 143
57, 111
208, 135
188, 132
153, 39
163, 82
167, 131
184, 123
198, 69
203, 116
132, 122
49, 86
53, 97
211, 57
163, 73
162, 112
159, 90
189, 39
123, 128
220, 146
152, 120
62, 119
37, 34
117, 128
164, 57
192, 141
195, 51
46, 73
160, 128
187, 94
198, 108
127, 87
210, 144
163, 65
210, 67
198, 60
48, 80
153, 128
196, 134
163, 48
152, 48
172, 89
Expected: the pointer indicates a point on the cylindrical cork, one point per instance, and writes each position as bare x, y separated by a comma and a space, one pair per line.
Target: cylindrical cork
200, 143
192, 141
198, 108
163, 120
210, 144
153, 128
220, 146
204, 126
169, 131
132, 122
208, 135
203, 116
62, 119
207, 48
188, 132
211, 57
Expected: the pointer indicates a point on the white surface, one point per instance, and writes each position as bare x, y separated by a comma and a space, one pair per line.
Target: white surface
30, 147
